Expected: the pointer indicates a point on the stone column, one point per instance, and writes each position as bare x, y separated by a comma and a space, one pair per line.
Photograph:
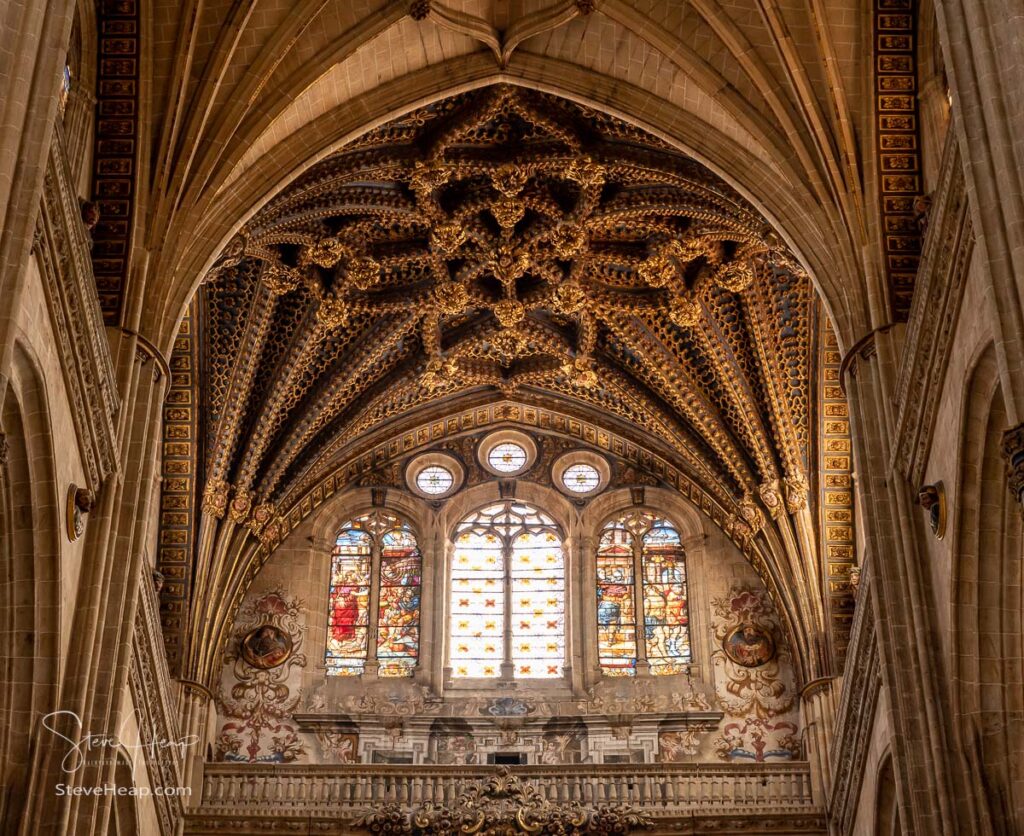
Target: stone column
818, 719
96, 678
984, 58
911, 667
197, 718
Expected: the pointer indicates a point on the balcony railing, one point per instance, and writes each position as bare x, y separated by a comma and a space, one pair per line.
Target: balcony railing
662, 791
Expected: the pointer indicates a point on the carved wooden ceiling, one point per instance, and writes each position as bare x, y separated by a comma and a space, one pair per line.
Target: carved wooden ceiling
512, 243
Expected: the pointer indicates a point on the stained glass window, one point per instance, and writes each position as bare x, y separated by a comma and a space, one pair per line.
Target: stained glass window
507, 457
375, 545
581, 478
616, 614
507, 595
642, 545
435, 480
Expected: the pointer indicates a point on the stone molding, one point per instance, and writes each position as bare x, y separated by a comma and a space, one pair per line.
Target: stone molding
941, 280
155, 707
861, 687
62, 251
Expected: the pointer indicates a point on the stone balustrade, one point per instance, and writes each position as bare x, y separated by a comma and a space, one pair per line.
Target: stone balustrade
660, 790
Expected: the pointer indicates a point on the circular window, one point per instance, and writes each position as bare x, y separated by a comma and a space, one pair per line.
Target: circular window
507, 452
434, 475
507, 457
435, 480
581, 474
581, 478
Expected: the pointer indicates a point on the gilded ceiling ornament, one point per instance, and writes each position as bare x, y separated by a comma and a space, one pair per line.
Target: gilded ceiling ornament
425, 177
280, 279
452, 298
684, 311
568, 298
508, 264
796, 489
604, 232
751, 514
445, 239
439, 371
657, 271
509, 312
509, 344
261, 515
509, 179
240, 505
508, 211
326, 252
569, 241
586, 172
580, 372
215, 498
688, 249
736, 276
771, 497
333, 312
363, 272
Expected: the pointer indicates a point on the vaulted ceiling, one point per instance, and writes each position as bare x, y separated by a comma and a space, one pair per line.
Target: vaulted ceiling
502, 245
508, 242
388, 211
255, 92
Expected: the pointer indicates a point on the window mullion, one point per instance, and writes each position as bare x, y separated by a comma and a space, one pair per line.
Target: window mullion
643, 667
372, 617
507, 666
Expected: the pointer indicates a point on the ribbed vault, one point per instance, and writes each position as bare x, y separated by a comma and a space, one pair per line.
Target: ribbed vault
508, 245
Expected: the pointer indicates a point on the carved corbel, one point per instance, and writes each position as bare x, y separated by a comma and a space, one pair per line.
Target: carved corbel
933, 499
1013, 453
215, 498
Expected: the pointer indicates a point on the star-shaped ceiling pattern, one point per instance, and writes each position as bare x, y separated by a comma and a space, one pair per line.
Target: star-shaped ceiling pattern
507, 242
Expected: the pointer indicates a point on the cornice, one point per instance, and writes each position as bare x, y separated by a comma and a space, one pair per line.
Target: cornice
941, 280
155, 707
62, 249
862, 684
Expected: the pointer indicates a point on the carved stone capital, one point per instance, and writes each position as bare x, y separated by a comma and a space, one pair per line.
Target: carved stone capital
1013, 452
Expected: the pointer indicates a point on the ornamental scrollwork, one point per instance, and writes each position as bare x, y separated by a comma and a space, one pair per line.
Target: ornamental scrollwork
503, 805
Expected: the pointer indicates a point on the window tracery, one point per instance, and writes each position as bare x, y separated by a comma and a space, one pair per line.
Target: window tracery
641, 580
507, 595
376, 567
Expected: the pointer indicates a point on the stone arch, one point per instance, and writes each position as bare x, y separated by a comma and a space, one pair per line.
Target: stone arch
887, 813
807, 231
987, 646
29, 576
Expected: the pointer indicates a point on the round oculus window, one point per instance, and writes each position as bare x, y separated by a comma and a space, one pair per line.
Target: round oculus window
581, 478
507, 457
435, 480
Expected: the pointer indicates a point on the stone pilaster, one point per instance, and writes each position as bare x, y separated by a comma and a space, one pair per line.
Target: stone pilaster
195, 710
818, 716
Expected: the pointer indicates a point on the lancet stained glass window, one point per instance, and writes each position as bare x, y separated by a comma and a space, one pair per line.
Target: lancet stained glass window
379, 546
641, 545
507, 595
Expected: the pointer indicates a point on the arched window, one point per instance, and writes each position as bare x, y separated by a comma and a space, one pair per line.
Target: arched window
375, 568
507, 595
640, 545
